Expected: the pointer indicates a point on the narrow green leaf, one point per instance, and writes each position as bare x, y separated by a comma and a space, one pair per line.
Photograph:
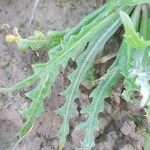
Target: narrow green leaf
127, 2
132, 37
36, 108
102, 91
24, 83
84, 21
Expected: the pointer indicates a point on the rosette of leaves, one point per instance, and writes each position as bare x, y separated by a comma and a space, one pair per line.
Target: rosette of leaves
82, 43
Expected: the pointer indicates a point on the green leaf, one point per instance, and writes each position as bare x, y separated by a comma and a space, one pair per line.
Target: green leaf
90, 78
59, 56
75, 30
102, 12
147, 110
25, 83
84, 62
36, 108
146, 141
102, 91
94, 30
141, 62
126, 58
141, 72
127, 2
39, 40
132, 37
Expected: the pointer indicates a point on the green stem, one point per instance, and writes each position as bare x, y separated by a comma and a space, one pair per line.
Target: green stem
136, 17
144, 23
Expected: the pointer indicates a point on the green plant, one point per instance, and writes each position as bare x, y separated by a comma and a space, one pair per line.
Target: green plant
82, 43
145, 132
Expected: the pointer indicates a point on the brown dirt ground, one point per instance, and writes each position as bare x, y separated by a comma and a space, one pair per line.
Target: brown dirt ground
120, 123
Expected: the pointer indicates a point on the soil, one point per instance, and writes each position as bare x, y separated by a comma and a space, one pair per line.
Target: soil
122, 124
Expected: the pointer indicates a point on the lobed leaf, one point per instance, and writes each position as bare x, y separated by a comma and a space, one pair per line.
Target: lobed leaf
36, 108
102, 91
125, 64
59, 56
126, 57
85, 60
141, 62
132, 62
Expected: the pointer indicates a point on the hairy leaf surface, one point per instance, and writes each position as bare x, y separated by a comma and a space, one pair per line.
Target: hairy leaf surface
83, 64
82, 43
102, 91
59, 56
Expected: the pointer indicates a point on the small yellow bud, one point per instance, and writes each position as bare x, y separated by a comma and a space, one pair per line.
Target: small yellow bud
11, 38
60, 147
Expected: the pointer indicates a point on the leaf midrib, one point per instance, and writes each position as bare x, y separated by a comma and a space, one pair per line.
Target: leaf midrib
81, 69
95, 112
